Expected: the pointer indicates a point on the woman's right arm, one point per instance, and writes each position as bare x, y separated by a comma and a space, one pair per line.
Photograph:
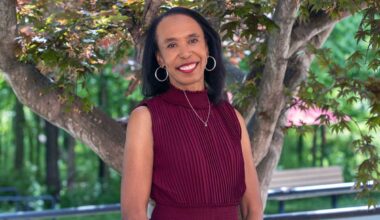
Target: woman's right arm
137, 165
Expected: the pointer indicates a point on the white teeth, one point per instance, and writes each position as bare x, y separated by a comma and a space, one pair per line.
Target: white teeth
188, 67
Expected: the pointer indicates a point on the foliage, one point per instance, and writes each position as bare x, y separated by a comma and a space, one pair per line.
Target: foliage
68, 40
347, 87
344, 85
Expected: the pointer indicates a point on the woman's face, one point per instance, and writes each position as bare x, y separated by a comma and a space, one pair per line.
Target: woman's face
182, 50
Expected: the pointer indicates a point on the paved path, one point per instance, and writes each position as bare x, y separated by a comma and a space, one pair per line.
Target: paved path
372, 217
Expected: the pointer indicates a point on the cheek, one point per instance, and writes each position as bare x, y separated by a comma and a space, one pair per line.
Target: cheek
203, 54
168, 56
203, 51
205, 47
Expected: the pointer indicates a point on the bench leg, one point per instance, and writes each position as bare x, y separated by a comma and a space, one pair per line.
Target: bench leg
334, 201
281, 206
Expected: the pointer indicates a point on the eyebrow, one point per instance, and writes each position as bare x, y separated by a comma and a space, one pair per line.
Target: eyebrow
175, 39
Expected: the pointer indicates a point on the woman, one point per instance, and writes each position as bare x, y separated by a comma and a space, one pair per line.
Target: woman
186, 147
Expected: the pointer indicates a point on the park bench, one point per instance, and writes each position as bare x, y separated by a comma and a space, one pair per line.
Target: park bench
11, 195
307, 183
6, 190
22, 203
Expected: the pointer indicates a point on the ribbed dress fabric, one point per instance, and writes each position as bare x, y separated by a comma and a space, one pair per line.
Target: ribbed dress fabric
198, 171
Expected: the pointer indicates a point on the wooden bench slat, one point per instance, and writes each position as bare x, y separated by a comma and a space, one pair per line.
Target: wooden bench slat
306, 177
312, 170
304, 183
309, 177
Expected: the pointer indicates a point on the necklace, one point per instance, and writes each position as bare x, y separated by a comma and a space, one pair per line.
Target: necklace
209, 110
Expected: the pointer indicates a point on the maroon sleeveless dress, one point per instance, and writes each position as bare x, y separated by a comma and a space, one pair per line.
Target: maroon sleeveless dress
198, 171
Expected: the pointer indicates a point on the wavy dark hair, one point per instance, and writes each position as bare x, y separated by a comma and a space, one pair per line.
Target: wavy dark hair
214, 79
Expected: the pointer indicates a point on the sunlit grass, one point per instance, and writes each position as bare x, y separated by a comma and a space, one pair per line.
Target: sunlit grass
110, 216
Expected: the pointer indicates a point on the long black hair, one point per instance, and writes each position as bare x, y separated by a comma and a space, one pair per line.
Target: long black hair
215, 79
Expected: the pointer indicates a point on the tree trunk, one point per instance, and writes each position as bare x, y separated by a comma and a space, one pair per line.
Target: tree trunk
270, 100
69, 145
18, 135
32, 141
39, 159
2, 154
300, 146
267, 166
296, 73
6, 140
323, 144
102, 172
314, 146
53, 181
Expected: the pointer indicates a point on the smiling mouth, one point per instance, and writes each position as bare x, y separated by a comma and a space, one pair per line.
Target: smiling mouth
187, 68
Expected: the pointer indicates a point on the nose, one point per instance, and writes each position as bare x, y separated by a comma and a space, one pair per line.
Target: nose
185, 52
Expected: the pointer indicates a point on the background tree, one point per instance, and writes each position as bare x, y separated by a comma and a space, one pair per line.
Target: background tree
48, 48
18, 129
53, 181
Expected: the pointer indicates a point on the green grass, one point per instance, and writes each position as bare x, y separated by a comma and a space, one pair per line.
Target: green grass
109, 216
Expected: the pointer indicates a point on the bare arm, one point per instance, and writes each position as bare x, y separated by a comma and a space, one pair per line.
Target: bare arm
251, 205
137, 165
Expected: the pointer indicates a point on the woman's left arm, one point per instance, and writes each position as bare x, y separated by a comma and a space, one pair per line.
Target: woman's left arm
251, 205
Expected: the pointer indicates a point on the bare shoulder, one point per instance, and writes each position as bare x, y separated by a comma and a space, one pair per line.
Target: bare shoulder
139, 130
141, 110
140, 114
239, 116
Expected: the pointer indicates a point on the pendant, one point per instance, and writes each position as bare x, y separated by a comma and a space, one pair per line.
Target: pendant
205, 124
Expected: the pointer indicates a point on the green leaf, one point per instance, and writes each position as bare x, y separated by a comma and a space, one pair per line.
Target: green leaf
50, 57
374, 64
373, 123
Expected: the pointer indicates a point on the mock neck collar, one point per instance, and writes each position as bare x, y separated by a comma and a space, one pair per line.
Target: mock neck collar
198, 99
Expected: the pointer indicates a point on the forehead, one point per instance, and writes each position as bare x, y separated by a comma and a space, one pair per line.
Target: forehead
177, 26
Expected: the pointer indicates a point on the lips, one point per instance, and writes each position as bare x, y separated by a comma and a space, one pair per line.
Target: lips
188, 67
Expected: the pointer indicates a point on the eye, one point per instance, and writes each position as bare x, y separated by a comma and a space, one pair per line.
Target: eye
171, 45
193, 40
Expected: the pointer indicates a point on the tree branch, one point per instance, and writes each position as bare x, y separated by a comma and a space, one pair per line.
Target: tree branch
296, 71
151, 9
304, 32
136, 27
299, 64
98, 131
